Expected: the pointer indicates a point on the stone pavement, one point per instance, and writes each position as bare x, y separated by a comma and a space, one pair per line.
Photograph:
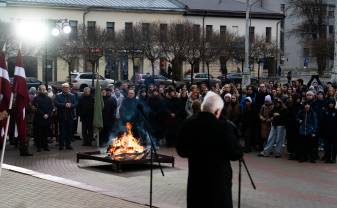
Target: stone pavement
280, 183
24, 191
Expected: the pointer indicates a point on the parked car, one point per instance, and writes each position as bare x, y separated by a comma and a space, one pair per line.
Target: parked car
235, 77
80, 80
31, 82
57, 85
158, 79
200, 78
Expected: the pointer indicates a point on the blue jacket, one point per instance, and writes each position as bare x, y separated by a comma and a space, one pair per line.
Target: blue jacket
60, 103
308, 123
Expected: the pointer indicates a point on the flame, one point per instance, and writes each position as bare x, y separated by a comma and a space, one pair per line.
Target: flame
126, 146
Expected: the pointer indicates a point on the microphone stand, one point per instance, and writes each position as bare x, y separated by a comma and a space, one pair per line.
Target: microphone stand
242, 161
153, 152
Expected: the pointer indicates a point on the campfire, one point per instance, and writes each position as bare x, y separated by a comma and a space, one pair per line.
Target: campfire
126, 147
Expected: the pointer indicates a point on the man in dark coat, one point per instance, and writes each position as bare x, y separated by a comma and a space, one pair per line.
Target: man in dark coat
65, 103
109, 116
86, 112
42, 120
210, 145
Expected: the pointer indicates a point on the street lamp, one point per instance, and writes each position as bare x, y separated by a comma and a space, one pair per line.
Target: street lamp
61, 26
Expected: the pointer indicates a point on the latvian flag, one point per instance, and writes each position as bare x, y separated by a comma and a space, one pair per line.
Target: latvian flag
22, 98
5, 89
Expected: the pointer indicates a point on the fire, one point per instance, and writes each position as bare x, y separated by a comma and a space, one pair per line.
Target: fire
126, 146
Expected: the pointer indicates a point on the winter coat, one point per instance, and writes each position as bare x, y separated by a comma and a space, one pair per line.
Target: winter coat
210, 145
308, 123
85, 108
109, 110
280, 120
265, 118
60, 103
329, 124
43, 105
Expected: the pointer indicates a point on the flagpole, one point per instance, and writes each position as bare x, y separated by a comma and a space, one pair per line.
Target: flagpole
6, 133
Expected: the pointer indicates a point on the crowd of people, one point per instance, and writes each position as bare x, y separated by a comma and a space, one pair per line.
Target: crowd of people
269, 117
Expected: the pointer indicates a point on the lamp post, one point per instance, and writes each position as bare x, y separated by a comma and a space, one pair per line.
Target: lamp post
246, 71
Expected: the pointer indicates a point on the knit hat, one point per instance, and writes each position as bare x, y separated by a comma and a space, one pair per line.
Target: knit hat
331, 101
228, 95
267, 98
248, 99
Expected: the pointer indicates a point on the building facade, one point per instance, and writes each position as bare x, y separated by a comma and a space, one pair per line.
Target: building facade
116, 15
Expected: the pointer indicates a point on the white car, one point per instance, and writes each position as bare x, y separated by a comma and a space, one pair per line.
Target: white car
80, 80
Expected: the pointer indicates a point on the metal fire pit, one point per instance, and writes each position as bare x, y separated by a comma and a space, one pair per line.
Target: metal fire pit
118, 164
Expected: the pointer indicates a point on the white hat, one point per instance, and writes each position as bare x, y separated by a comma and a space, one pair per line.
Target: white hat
267, 98
249, 99
228, 95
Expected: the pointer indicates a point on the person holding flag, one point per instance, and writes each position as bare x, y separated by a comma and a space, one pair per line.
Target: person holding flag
21, 101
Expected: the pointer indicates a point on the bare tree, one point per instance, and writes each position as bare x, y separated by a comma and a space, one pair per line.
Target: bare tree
173, 45
193, 47
227, 43
211, 51
129, 43
7, 38
312, 27
150, 42
92, 43
67, 48
260, 49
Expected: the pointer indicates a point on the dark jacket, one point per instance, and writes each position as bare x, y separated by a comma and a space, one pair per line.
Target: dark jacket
109, 110
308, 123
60, 103
85, 108
329, 124
280, 120
210, 145
43, 105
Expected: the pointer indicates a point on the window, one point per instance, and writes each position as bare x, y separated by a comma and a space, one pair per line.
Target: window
268, 34
331, 11
235, 29
86, 76
251, 34
179, 31
209, 31
128, 30
331, 29
163, 32
145, 30
196, 32
223, 29
73, 24
283, 7
110, 27
91, 28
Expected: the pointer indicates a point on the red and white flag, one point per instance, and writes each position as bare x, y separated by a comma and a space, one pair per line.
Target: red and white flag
22, 98
5, 90
5, 86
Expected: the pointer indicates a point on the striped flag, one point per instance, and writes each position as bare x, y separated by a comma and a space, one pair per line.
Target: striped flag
22, 98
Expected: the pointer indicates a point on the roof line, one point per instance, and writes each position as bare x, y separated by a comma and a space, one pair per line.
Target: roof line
77, 6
